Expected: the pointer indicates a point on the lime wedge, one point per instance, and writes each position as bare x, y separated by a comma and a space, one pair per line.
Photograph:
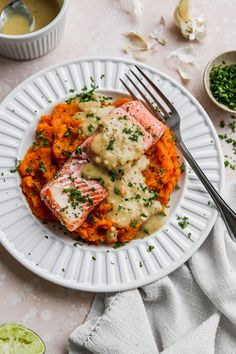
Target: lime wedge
18, 339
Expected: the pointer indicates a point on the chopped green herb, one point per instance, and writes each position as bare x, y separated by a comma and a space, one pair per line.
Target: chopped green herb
183, 167
67, 133
42, 167
183, 223
189, 235
75, 197
177, 187
222, 124
17, 164
133, 223
78, 151
92, 220
90, 128
71, 90
110, 145
116, 191
140, 264
160, 171
28, 169
223, 84
118, 245
150, 248
93, 258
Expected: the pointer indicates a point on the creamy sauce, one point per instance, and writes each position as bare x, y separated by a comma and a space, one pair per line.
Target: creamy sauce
118, 141
91, 115
130, 198
43, 11
154, 223
118, 162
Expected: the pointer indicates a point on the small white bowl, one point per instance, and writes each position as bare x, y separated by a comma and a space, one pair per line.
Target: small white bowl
35, 44
227, 58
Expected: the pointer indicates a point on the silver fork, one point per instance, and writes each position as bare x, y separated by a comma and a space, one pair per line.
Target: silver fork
171, 118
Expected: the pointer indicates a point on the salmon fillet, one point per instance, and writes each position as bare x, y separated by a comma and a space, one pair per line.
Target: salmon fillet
70, 197
124, 135
154, 128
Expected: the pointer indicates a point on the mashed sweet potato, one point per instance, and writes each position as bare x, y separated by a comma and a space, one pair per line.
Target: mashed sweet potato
57, 135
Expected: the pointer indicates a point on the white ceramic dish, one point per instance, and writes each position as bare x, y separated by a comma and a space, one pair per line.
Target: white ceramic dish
226, 58
55, 258
35, 44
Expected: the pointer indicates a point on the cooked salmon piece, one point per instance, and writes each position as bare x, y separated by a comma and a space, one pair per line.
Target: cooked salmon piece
123, 135
70, 197
152, 125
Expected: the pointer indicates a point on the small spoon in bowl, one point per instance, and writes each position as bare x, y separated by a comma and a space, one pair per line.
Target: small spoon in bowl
16, 7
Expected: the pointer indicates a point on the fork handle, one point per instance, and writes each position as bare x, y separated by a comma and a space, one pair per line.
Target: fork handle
226, 212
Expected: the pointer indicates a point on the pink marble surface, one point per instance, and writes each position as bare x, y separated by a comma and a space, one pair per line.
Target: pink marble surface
95, 28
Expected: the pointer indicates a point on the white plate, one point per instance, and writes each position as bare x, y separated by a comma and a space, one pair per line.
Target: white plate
55, 258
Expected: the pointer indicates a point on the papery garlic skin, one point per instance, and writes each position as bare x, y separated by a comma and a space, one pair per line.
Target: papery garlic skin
184, 60
134, 7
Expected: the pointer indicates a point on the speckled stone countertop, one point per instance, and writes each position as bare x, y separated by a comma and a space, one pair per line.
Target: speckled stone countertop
95, 28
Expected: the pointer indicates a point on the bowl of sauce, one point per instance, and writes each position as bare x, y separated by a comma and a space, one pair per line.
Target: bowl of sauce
19, 40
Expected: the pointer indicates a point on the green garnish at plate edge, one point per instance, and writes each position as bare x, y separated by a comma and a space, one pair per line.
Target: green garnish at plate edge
15, 338
223, 84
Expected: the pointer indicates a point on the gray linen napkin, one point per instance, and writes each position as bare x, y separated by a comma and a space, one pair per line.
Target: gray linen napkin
193, 310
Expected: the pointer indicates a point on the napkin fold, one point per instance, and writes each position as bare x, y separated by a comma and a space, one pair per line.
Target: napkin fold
193, 310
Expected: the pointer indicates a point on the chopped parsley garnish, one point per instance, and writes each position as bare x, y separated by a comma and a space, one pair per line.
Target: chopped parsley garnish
183, 167
77, 244
75, 197
79, 131
134, 134
67, 133
183, 223
122, 117
140, 264
133, 223
78, 151
130, 184
46, 237
40, 134
71, 90
116, 175
222, 84
153, 195
90, 128
189, 235
86, 95
116, 191
222, 124
42, 167
110, 145
150, 248
93, 258
90, 115
92, 220
28, 169
118, 245
17, 164
160, 171
177, 188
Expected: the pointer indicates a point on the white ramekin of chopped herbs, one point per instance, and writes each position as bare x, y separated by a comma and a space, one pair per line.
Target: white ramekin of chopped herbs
220, 81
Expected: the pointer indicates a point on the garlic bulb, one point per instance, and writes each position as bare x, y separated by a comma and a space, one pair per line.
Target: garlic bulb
190, 28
